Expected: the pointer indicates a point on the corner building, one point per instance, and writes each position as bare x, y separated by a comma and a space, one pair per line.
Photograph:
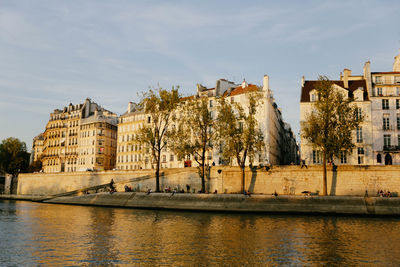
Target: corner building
377, 97
80, 137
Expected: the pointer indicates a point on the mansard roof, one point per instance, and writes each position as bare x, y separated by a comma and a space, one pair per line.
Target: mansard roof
240, 90
386, 72
353, 85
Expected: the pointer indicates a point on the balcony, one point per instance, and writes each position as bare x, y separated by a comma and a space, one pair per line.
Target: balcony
391, 148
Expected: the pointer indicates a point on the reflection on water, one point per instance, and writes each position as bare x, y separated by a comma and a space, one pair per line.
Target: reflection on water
50, 235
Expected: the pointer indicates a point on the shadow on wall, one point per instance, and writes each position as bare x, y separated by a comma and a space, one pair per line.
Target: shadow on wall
253, 179
334, 181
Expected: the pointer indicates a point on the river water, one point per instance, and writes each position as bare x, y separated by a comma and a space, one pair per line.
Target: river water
34, 234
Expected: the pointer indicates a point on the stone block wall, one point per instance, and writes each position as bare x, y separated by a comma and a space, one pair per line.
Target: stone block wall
285, 180
292, 180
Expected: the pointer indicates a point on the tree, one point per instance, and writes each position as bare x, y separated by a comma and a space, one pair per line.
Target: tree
193, 133
13, 156
159, 106
330, 125
239, 132
35, 166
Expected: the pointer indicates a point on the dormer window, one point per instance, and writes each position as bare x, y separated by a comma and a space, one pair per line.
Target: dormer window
359, 94
313, 95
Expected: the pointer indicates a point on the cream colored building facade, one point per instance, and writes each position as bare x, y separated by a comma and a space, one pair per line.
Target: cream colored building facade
377, 96
80, 137
37, 148
130, 155
281, 146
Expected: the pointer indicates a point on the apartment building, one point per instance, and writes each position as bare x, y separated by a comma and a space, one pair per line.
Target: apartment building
37, 148
281, 146
385, 109
130, 155
78, 138
377, 97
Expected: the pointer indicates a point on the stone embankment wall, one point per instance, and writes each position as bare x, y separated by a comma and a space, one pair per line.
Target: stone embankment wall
285, 180
292, 180
240, 203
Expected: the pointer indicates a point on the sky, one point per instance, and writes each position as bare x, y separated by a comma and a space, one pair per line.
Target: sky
53, 53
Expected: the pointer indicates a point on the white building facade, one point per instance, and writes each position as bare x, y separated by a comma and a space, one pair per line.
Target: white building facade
281, 147
377, 96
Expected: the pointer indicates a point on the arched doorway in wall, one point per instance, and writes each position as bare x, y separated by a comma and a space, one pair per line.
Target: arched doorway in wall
388, 159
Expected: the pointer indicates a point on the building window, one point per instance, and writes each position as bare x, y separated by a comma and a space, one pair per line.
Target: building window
359, 135
314, 97
385, 103
316, 156
396, 79
378, 158
397, 103
386, 124
378, 79
386, 140
343, 157
398, 139
211, 103
171, 157
164, 158
360, 152
398, 121
379, 91
358, 113
397, 90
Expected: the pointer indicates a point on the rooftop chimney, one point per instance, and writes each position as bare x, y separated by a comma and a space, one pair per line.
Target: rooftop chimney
130, 105
396, 64
302, 81
266, 83
244, 83
346, 75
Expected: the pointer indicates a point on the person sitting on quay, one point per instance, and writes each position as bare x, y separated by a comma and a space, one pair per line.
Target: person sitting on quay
149, 191
112, 187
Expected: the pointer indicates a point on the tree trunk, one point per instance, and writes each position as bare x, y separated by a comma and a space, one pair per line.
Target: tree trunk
325, 189
203, 174
243, 178
158, 171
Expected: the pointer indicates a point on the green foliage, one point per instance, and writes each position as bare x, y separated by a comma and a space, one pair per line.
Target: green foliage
35, 166
239, 132
159, 105
193, 133
330, 125
13, 156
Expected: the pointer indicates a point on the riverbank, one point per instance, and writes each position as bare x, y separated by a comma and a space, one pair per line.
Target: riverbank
21, 197
239, 203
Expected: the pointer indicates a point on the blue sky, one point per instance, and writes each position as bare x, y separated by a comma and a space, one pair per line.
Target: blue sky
56, 52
